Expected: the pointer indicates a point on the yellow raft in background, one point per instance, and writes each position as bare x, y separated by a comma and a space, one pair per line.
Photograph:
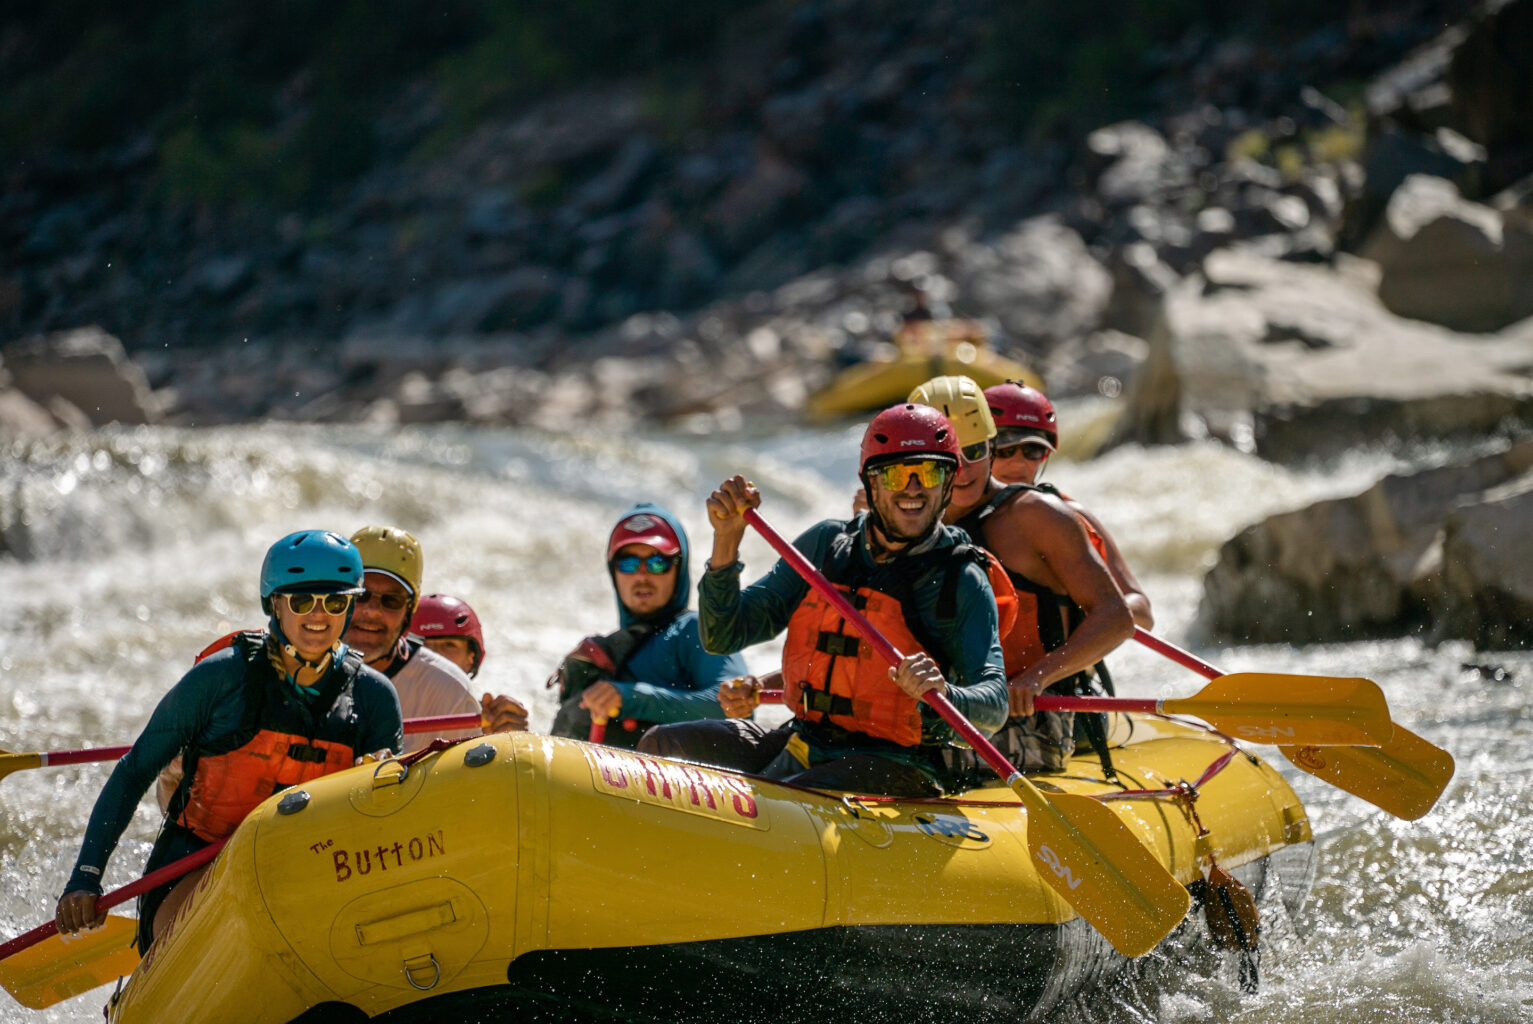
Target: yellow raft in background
921, 350
523, 877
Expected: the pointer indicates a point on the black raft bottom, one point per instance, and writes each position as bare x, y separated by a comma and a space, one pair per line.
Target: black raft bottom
903, 974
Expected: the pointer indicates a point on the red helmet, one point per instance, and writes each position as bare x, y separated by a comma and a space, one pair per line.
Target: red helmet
908, 431
1015, 404
439, 615
643, 528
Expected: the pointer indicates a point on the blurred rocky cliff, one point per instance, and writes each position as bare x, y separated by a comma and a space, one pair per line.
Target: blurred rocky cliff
1299, 240
588, 255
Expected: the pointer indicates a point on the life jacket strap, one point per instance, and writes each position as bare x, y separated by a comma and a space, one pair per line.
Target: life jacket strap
306, 753
821, 702
838, 645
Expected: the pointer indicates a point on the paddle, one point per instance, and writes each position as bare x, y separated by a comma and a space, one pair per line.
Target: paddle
1080, 847
1404, 776
53, 968
1256, 706
48, 759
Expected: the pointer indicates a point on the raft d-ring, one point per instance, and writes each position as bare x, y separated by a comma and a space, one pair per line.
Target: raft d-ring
420, 963
856, 807
398, 772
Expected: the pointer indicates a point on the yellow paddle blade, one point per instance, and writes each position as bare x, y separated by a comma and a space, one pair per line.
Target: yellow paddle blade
54, 970
1085, 852
10, 762
1265, 707
1404, 776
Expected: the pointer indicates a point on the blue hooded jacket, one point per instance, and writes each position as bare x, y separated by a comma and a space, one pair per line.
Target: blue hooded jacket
670, 678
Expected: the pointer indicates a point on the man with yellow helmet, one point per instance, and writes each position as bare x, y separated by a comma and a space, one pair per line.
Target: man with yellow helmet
1071, 613
428, 683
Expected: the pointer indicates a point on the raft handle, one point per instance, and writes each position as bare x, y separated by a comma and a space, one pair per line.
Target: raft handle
420, 963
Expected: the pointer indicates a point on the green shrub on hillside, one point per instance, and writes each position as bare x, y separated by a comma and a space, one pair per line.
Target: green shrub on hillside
279, 99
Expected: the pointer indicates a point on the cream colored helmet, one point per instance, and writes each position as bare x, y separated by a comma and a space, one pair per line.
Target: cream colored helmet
393, 552
964, 404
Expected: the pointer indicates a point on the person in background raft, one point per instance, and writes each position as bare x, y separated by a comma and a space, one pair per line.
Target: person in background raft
858, 724
653, 669
268, 710
449, 627
1071, 612
428, 684
1027, 433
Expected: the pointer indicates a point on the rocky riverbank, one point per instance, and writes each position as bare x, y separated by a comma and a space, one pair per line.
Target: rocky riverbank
1251, 261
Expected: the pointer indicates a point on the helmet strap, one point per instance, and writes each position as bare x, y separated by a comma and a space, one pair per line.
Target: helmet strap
306, 679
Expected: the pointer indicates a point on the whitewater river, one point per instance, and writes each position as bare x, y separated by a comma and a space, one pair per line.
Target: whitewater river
124, 552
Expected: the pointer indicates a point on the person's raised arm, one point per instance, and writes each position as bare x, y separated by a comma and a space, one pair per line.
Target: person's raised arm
726, 514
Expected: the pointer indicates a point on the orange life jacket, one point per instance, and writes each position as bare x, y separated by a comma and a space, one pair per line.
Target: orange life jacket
831, 674
276, 745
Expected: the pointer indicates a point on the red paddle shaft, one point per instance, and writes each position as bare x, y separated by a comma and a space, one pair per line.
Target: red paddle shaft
157, 877
88, 755
1184, 658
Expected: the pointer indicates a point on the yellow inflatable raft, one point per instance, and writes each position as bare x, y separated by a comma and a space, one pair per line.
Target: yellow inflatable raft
523, 877
921, 350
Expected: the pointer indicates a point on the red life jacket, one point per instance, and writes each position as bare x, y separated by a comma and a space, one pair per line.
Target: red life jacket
276, 745
831, 674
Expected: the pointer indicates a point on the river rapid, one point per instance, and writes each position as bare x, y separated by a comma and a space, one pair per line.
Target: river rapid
123, 552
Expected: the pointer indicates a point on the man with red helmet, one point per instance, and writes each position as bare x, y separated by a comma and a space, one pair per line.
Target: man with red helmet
653, 669
857, 724
449, 626
1027, 434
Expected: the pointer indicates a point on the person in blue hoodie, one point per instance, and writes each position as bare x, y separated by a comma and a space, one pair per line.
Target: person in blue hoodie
653, 669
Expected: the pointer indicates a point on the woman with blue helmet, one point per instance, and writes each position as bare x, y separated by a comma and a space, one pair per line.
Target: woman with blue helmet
261, 711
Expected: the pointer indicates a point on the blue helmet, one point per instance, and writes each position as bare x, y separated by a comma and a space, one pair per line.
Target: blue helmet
313, 562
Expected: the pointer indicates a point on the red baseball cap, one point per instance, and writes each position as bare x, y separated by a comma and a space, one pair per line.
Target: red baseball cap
643, 528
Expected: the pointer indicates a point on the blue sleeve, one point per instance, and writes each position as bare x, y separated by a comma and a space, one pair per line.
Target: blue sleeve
977, 686
674, 679
206, 701
733, 619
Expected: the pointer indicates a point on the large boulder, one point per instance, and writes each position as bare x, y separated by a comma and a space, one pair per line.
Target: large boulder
1449, 261
1487, 569
1444, 552
1292, 360
87, 368
1038, 279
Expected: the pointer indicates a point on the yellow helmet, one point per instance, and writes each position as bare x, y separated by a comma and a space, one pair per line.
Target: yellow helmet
963, 403
394, 552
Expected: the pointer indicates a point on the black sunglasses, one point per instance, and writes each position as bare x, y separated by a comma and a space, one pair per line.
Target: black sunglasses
1032, 451
391, 602
655, 565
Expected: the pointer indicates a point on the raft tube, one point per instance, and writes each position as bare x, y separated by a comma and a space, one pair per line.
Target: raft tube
524, 877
